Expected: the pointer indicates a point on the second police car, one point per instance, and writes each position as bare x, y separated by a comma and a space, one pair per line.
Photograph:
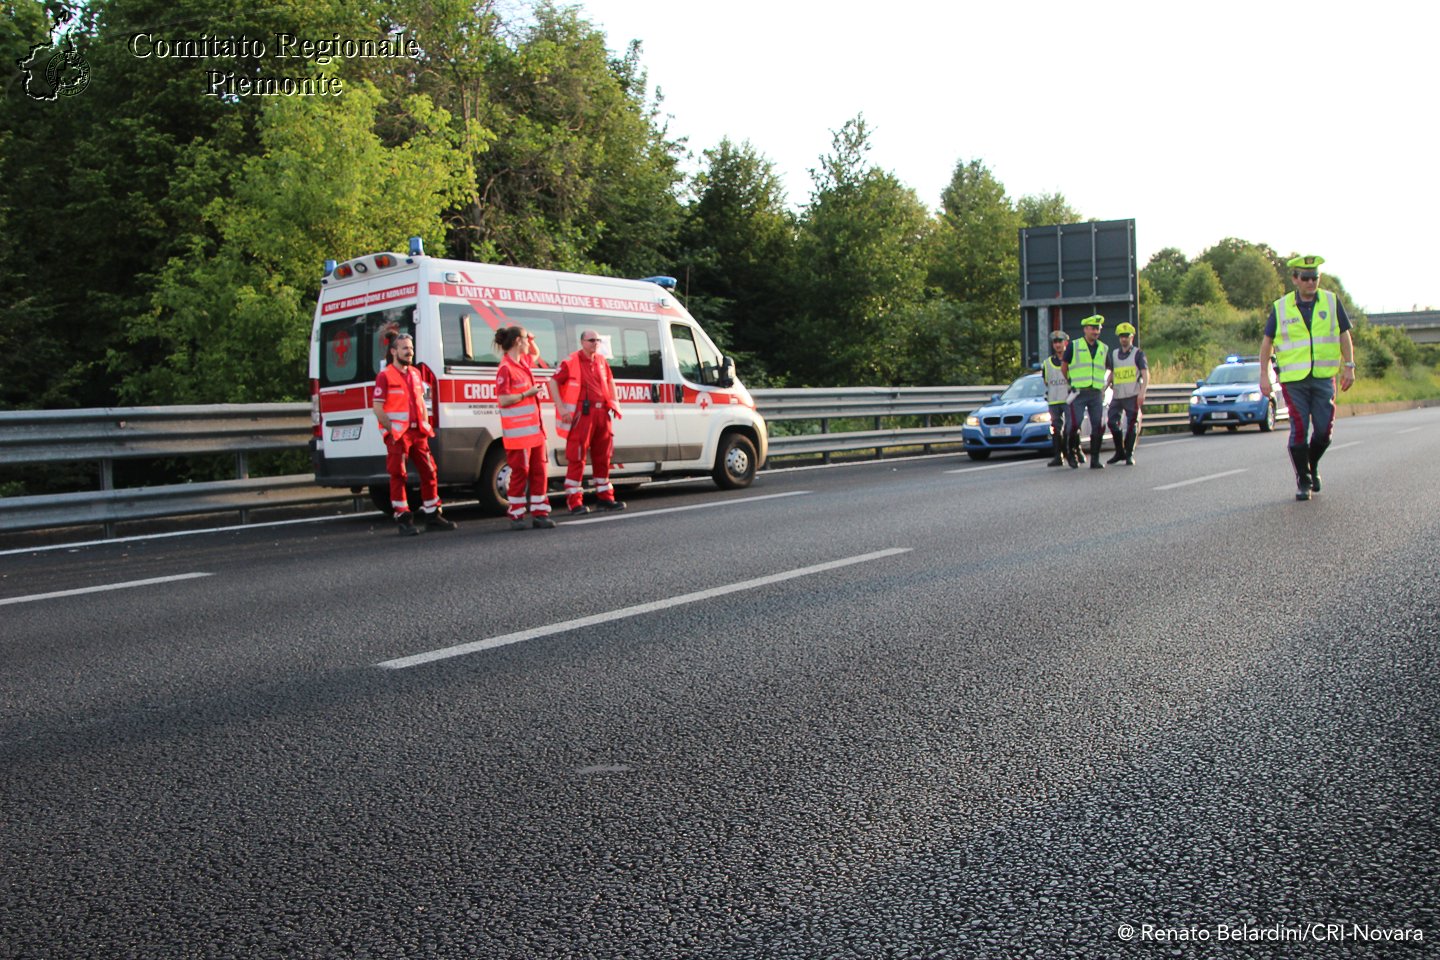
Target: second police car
1231, 396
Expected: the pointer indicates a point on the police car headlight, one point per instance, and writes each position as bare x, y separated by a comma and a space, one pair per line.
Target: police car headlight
1195, 398
972, 421
1253, 395
1042, 417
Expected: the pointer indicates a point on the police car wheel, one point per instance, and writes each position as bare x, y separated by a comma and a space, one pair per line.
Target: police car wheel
1198, 429
735, 463
978, 454
1268, 423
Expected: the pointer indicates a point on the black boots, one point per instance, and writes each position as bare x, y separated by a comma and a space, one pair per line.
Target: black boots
1130, 449
1095, 463
406, 523
1317, 450
1057, 446
1300, 460
1119, 447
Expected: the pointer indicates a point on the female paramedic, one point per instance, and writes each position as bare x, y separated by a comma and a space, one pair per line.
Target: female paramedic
524, 434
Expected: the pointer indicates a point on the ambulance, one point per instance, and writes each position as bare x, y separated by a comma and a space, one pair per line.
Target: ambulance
684, 411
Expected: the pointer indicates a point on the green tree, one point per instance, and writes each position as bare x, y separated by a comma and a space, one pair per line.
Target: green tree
1164, 272
1249, 280
1045, 209
1200, 286
862, 247
737, 247
233, 313
976, 265
581, 175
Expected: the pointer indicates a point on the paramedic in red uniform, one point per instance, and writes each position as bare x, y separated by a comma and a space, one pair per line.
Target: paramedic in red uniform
524, 434
399, 405
586, 401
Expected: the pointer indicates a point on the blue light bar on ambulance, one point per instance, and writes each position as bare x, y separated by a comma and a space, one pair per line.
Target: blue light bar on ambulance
417, 247
667, 282
330, 266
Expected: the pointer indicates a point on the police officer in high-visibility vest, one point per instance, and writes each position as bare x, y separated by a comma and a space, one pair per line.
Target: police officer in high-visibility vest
1057, 392
1308, 334
1129, 376
399, 405
582, 416
1085, 368
523, 434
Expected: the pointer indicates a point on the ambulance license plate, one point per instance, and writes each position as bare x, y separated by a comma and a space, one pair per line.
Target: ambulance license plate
1000, 431
345, 433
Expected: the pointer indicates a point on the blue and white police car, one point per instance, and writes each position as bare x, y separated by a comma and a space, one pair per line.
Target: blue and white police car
1231, 396
1018, 419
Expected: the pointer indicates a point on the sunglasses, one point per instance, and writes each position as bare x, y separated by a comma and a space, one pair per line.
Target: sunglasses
1307, 276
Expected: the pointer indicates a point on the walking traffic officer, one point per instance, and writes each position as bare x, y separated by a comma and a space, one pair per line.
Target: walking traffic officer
399, 405
522, 432
1308, 334
1085, 366
1057, 392
582, 413
1129, 376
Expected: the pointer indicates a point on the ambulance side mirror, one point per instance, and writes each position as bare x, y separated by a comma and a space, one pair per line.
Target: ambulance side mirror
726, 377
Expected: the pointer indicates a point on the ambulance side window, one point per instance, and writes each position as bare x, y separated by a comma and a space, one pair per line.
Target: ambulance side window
466, 337
699, 361
634, 346
460, 320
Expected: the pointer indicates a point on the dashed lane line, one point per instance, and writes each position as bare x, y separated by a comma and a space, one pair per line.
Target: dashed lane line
102, 588
638, 609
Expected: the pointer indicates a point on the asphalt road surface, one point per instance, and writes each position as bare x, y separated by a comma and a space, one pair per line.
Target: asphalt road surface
908, 709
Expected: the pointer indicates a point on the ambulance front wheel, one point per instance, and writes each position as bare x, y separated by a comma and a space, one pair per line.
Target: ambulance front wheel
735, 463
493, 487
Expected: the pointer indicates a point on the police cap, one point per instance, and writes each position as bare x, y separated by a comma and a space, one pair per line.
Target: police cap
1308, 262
1125, 329
1094, 321
1059, 335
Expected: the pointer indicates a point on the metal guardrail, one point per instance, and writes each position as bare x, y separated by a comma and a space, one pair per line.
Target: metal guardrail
104, 435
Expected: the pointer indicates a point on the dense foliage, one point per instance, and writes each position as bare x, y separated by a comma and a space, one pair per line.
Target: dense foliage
163, 245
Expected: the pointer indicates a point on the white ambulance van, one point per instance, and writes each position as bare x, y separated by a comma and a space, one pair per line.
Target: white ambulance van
685, 413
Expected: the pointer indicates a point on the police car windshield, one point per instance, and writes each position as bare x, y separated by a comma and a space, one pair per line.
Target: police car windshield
1024, 389
1236, 373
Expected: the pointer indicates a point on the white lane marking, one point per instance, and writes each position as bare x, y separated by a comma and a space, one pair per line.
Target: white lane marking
491, 643
102, 588
1342, 446
997, 466
696, 506
1410, 430
233, 528
1213, 476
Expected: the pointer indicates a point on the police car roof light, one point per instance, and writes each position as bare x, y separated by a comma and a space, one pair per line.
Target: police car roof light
667, 282
417, 247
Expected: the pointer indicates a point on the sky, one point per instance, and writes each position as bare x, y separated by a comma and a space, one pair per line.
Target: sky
1313, 127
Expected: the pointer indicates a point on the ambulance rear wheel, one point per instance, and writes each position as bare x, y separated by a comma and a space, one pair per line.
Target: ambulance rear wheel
735, 463
380, 497
493, 487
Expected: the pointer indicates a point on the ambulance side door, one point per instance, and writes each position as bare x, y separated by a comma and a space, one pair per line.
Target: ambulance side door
697, 361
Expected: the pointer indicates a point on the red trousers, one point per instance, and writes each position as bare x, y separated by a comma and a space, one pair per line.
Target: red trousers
590, 434
414, 446
527, 476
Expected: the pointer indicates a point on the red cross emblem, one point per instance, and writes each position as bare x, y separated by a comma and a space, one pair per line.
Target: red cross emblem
342, 347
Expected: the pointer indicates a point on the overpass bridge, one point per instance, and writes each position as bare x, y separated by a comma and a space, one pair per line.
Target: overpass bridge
1423, 326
